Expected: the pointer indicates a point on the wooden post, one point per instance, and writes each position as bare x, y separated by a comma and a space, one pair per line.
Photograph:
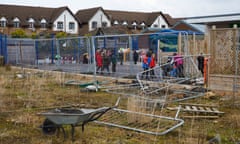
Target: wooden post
179, 43
205, 71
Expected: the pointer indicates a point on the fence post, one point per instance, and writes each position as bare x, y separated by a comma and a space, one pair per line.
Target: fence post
5, 50
1, 45
52, 49
131, 48
36, 47
94, 61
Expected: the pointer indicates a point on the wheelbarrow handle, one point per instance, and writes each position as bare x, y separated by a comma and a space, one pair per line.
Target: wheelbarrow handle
98, 114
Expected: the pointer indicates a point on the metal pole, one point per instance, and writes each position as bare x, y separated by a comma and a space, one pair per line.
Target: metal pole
36, 47
131, 59
52, 49
94, 62
5, 50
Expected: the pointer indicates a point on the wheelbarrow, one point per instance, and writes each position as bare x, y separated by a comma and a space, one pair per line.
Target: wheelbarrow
56, 118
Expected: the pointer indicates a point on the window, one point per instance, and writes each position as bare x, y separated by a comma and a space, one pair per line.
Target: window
163, 26
155, 25
71, 25
16, 24
31, 25
94, 24
125, 23
143, 25
60, 25
104, 24
115, 22
3, 22
43, 24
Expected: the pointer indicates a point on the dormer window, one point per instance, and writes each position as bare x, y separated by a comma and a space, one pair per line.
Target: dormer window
125, 23
16, 22
142, 25
134, 24
3, 22
115, 22
43, 24
31, 23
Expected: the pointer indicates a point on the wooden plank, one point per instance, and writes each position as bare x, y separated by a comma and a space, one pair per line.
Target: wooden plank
215, 109
208, 109
188, 108
198, 105
201, 108
206, 117
194, 108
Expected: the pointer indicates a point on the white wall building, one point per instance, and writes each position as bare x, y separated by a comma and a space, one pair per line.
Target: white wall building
99, 20
66, 22
160, 22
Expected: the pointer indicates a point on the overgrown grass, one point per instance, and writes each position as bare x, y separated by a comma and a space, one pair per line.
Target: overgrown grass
22, 98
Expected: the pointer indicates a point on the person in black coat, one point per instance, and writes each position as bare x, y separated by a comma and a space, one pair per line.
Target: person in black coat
200, 60
135, 57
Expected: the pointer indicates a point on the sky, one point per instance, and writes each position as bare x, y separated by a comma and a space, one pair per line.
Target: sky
175, 8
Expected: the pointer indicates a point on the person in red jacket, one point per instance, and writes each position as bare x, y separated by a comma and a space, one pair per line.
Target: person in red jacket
99, 60
152, 65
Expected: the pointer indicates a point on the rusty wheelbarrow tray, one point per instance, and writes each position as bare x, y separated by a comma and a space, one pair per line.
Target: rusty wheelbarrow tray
56, 118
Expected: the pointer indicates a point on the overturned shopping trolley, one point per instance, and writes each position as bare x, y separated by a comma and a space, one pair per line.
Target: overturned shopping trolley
56, 118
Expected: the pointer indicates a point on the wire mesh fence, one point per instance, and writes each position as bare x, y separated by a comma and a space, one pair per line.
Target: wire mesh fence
78, 54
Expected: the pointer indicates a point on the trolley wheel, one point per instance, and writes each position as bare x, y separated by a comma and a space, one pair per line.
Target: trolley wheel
49, 127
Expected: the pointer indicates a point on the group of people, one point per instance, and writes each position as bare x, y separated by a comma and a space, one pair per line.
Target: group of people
174, 66
148, 63
103, 60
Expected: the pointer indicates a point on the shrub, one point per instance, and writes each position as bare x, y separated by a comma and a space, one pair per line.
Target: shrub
19, 33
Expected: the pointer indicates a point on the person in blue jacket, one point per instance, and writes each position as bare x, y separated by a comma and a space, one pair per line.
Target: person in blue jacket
145, 65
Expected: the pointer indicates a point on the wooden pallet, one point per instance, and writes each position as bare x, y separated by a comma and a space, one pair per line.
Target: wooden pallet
199, 108
204, 111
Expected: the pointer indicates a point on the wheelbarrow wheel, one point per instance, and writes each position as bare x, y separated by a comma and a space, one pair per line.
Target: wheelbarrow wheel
49, 127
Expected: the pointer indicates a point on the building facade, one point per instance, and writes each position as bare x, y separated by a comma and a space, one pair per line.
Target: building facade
37, 19
94, 18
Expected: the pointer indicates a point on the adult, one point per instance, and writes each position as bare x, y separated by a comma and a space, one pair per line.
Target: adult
168, 66
121, 56
178, 62
114, 62
152, 65
145, 65
135, 57
200, 60
85, 58
99, 60
106, 62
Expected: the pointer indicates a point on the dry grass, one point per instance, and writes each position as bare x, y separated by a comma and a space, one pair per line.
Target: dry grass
22, 98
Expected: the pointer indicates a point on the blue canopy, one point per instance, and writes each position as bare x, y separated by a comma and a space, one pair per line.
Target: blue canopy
169, 38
